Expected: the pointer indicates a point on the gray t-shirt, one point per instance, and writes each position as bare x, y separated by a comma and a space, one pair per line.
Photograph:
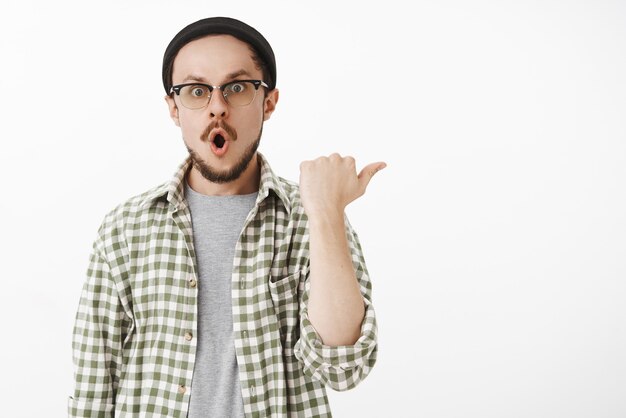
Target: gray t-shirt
217, 222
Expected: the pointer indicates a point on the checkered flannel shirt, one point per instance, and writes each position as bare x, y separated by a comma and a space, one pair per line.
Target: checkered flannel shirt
135, 333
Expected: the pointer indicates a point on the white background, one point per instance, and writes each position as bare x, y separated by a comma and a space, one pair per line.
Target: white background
496, 237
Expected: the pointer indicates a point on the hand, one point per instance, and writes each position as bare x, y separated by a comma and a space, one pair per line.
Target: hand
329, 184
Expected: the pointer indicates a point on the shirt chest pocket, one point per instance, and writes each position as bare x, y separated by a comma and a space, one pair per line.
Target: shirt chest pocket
285, 292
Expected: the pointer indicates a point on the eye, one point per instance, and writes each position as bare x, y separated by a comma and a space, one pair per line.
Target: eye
198, 91
236, 88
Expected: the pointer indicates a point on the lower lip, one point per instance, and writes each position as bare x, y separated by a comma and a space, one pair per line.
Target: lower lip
219, 151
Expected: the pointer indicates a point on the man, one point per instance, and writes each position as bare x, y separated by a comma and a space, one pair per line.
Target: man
228, 291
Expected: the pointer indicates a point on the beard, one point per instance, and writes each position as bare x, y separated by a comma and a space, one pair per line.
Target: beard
225, 176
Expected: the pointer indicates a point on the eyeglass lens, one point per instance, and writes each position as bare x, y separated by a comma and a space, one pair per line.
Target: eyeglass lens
236, 93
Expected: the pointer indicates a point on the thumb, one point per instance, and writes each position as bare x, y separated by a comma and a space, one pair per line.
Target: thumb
368, 172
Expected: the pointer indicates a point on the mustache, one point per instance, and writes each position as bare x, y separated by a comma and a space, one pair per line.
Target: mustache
232, 133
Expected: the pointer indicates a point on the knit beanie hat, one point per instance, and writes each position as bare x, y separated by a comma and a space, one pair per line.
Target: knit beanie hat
213, 26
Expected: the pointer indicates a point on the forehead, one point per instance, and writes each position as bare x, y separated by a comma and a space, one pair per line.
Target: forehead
213, 57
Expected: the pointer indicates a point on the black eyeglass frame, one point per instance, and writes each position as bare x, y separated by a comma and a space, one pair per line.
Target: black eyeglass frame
255, 83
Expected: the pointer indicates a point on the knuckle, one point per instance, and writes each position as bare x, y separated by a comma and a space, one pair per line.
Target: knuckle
323, 160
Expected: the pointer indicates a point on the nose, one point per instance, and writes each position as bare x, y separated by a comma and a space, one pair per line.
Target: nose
217, 104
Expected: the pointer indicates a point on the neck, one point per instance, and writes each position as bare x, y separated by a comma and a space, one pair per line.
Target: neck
248, 181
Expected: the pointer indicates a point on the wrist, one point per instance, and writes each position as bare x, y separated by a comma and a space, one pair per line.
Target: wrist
326, 215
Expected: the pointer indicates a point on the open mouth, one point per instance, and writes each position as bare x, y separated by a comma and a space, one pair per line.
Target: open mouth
219, 141
219, 144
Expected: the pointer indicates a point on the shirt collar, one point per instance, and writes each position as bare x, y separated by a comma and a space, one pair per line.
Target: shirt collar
174, 190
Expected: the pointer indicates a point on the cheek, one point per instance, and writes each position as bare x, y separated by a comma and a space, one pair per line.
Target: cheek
253, 125
256, 118
248, 123
192, 126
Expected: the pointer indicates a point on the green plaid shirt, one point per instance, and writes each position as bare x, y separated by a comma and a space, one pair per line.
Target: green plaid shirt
135, 333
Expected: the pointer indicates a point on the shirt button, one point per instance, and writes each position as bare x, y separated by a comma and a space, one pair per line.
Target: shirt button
182, 389
188, 336
192, 282
252, 390
243, 284
245, 334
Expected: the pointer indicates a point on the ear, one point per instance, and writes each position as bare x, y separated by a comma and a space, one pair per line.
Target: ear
171, 104
269, 103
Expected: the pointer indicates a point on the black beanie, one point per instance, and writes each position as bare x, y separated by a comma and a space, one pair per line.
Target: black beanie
219, 25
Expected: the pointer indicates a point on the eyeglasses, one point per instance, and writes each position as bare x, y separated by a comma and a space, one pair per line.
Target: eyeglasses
236, 93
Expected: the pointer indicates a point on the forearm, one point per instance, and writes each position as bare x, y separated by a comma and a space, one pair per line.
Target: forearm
336, 306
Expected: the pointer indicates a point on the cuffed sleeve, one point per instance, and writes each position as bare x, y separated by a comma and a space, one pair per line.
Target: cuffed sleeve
341, 367
91, 409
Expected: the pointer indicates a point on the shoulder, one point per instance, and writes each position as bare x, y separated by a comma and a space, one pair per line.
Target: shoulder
138, 205
129, 214
290, 191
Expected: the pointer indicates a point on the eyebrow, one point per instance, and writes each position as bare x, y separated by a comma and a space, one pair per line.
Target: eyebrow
231, 76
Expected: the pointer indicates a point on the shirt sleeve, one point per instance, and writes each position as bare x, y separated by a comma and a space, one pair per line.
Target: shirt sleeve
101, 325
341, 367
